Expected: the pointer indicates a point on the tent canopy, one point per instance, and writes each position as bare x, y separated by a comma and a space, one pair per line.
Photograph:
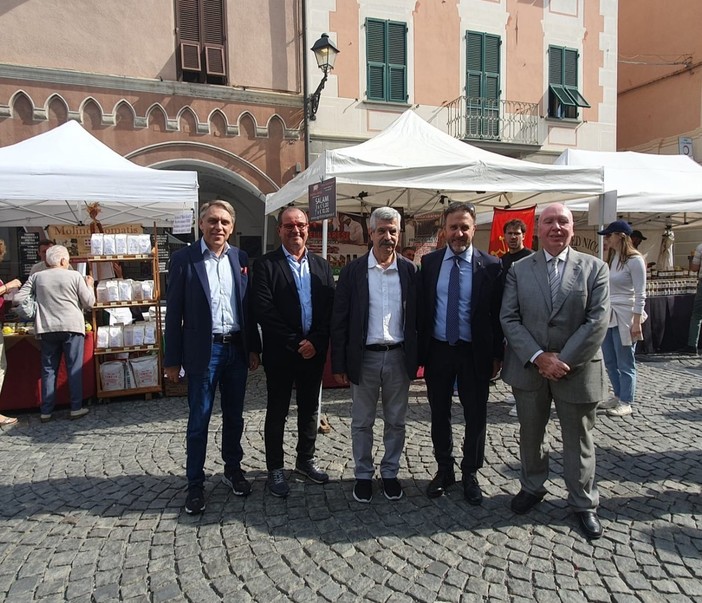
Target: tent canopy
48, 179
412, 164
663, 187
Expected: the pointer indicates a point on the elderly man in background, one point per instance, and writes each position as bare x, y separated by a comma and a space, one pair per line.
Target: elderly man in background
62, 295
555, 314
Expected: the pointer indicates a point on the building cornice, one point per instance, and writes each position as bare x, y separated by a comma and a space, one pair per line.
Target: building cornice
125, 84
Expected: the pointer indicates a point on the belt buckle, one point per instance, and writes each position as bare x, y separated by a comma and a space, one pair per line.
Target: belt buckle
227, 338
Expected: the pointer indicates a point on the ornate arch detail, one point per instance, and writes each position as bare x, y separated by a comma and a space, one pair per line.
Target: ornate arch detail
139, 122
171, 124
288, 133
230, 130
70, 115
104, 119
200, 127
259, 131
9, 109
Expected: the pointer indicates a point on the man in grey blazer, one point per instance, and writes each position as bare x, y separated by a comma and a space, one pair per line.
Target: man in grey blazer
555, 318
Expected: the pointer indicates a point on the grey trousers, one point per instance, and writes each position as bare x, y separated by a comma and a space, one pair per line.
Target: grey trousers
382, 374
577, 421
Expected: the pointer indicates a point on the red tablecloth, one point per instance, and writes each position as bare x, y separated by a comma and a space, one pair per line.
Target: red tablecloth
22, 388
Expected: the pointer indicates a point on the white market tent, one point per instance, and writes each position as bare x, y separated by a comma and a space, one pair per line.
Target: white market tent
49, 178
411, 164
660, 188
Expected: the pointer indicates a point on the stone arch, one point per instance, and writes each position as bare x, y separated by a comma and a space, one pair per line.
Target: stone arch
22, 107
218, 124
91, 114
156, 118
56, 110
247, 125
187, 120
125, 115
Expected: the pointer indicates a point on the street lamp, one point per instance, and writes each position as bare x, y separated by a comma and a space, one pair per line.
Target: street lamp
325, 52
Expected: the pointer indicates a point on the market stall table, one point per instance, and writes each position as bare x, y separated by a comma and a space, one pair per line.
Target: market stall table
22, 387
667, 325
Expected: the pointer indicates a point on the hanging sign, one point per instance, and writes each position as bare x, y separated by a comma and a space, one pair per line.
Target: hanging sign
322, 200
183, 223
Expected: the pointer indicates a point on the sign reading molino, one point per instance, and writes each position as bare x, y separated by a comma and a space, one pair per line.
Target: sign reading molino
77, 238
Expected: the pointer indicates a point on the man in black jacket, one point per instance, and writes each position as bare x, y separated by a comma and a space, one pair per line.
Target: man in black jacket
293, 293
374, 346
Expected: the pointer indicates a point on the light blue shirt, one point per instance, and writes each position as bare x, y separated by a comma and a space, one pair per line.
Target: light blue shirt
222, 290
303, 284
466, 290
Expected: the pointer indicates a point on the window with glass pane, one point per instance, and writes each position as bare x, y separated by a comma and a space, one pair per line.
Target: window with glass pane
564, 98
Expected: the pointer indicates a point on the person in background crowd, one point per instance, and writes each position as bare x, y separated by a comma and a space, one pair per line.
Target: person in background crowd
555, 312
211, 334
409, 253
627, 294
636, 238
293, 293
460, 339
5, 288
374, 346
62, 295
693, 335
514, 232
44, 244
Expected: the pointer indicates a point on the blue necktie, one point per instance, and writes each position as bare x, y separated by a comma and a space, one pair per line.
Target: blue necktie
454, 290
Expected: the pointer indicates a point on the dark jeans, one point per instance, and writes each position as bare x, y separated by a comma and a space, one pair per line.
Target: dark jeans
228, 368
52, 346
444, 366
306, 375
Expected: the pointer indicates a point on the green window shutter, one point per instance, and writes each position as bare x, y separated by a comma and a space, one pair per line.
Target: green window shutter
491, 67
474, 64
397, 62
570, 68
555, 65
375, 57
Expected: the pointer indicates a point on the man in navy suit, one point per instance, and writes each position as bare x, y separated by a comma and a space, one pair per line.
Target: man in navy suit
374, 346
210, 334
293, 293
460, 341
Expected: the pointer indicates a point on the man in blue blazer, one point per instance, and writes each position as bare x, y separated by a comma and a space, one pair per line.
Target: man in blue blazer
210, 333
374, 346
460, 342
293, 293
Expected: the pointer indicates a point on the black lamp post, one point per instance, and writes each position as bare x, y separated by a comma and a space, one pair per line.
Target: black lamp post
325, 53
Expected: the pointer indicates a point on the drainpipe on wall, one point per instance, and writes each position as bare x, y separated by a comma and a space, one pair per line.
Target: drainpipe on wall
306, 121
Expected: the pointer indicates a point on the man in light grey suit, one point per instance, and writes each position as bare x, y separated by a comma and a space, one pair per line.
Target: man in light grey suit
555, 313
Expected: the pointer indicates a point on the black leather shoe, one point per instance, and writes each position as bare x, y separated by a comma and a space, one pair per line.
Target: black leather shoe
471, 490
524, 502
590, 524
442, 480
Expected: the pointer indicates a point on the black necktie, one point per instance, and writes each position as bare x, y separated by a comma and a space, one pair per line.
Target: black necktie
454, 290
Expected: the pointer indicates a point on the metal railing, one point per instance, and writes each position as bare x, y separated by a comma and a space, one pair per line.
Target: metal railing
475, 118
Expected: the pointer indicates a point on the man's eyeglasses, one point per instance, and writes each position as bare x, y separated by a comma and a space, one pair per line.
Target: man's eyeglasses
291, 227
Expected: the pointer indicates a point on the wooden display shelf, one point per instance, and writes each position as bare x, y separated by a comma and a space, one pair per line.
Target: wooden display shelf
134, 391
144, 257
152, 347
125, 304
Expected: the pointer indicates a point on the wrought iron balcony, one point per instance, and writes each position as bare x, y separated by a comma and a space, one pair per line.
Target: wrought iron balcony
474, 118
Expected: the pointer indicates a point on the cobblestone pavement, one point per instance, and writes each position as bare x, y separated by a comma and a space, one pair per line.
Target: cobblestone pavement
91, 510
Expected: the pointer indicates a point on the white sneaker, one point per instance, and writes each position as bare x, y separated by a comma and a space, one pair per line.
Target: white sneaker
621, 410
513, 411
613, 402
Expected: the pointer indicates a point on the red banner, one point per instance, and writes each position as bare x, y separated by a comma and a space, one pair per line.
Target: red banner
498, 245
